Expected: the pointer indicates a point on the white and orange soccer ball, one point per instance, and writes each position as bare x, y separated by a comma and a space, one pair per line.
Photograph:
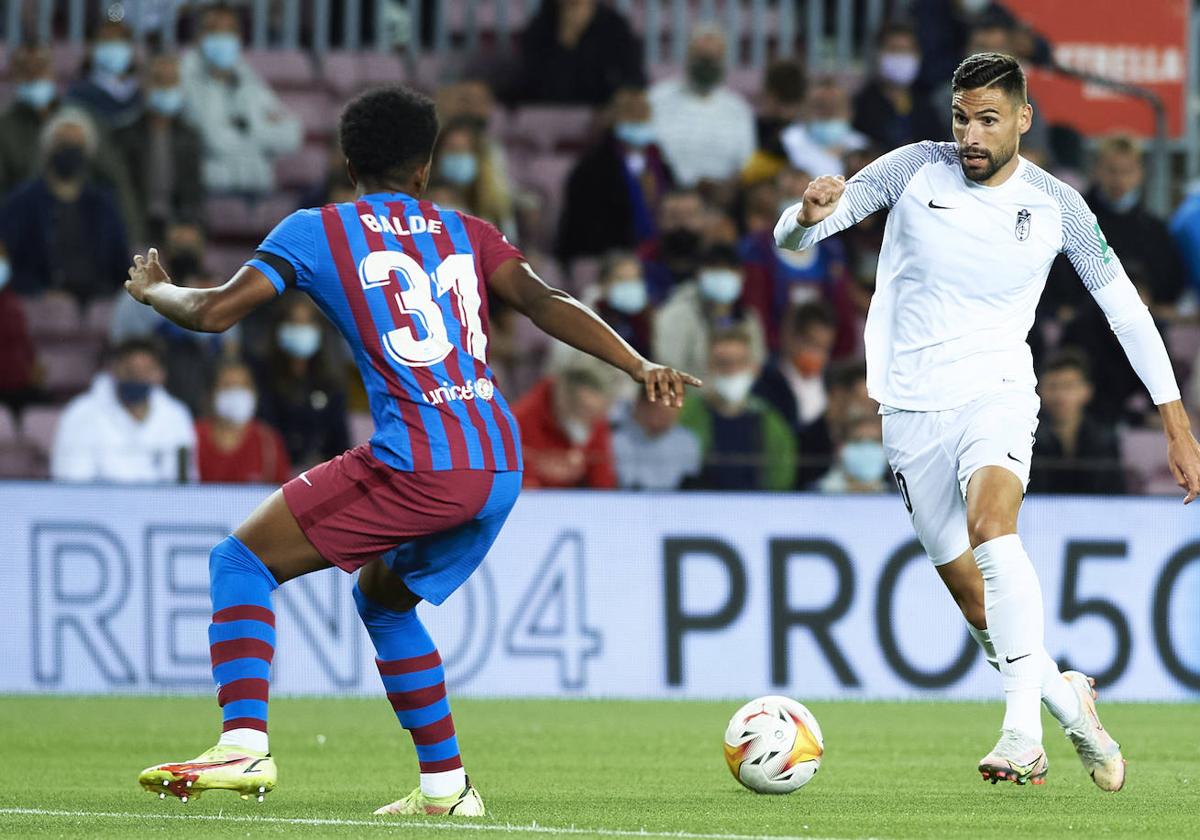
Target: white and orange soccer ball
773, 745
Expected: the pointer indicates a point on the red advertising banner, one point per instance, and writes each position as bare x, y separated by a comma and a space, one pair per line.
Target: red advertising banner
1138, 43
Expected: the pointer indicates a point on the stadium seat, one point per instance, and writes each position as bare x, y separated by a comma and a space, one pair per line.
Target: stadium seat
346, 73
98, 317
376, 68
1144, 458
224, 260
228, 216
39, 425
584, 274
1183, 340
67, 59
316, 110
19, 461
51, 315
545, 175
544, 128
303, 169
361, 427
8, 426
283, 69
68, 366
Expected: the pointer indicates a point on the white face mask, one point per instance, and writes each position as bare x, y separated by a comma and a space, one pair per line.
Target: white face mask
720, 285
236, 405
577, 431
899, 68
864, 460
733, 389
5, 274
299, 340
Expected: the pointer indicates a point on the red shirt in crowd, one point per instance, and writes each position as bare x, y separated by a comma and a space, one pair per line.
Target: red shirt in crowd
551, 459
17, 354
259, 457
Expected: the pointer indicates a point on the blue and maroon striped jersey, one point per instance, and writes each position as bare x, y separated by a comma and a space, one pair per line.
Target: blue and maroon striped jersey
404, 282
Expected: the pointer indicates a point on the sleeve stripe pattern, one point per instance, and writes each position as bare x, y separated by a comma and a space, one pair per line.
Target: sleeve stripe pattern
889, 176
1082, 240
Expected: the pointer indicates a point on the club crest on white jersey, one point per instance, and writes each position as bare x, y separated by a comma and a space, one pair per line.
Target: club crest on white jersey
1023, 224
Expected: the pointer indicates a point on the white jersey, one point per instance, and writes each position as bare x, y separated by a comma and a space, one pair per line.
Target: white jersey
960, 273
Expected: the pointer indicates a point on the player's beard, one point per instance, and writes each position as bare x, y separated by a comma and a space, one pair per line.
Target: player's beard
995, 161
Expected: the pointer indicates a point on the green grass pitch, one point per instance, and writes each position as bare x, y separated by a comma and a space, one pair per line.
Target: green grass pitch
586, 768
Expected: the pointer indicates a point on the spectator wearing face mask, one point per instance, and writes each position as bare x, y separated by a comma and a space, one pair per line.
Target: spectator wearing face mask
794, 384
126, 428
614, 191
232, 446
62, 229
35, 103
18, 356
622, 301
888, 109
861, 465
461, 160
700, 308
782, 105
746, 445
778, 279
564, 431
108, 88
651, 450
243, 125
300, 393
163, 155
705, 129
576, 52
825, 136
674, 255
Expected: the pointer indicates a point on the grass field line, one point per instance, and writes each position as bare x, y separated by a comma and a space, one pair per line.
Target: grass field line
505, 828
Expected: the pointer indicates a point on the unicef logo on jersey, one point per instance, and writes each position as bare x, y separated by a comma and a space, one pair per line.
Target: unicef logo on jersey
1023, 223
481, 388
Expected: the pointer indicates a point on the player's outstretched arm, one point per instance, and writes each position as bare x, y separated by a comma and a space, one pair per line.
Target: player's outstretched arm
559, 315
202, 310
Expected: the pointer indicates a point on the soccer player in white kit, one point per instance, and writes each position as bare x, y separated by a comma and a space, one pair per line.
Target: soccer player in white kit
971, 232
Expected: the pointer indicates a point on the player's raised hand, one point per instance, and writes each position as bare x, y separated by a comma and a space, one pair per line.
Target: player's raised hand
1183, 454
665, 384
145, 272
821, 198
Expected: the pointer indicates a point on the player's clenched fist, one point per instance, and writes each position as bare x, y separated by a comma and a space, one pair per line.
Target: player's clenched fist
821, 198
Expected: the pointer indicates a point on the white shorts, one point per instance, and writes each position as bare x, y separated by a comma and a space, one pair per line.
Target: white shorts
933, 455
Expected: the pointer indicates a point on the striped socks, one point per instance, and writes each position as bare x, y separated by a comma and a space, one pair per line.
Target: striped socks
413, 677
241, 641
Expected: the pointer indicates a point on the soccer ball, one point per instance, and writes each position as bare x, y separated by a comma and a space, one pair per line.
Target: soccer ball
773, 745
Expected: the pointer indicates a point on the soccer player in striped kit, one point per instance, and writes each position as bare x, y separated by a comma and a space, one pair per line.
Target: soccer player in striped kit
418, 507
971, 232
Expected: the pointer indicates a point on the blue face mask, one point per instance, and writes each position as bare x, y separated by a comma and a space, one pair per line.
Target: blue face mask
165, 101
720, 285
113, 57
638, 134
864, 460
828, 133
221, 49
627, 296
5, 274
459, 168
300, 341
37, 94
132, 392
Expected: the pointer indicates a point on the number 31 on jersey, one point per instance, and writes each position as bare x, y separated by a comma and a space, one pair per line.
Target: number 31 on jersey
417, 298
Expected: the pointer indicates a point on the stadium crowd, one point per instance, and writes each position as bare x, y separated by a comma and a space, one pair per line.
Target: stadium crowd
653, 202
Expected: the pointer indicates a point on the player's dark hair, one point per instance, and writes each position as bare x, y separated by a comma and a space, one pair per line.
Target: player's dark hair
388, 132
990, 69
1068, 358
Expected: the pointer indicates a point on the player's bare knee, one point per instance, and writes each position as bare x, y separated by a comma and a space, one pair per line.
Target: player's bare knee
381, 586
987, 525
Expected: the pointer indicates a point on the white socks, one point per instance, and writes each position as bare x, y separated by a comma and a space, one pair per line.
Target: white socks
1057, 695
446, 783
247, 739
1012, 601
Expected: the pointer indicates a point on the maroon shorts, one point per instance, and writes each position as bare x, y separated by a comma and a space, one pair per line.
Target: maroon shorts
355, 508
